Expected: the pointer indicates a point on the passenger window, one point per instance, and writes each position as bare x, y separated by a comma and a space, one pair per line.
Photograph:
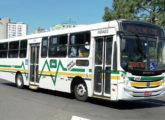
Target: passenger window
23, 48
13, 49
58, 46
3, 50
79, 45
44, 47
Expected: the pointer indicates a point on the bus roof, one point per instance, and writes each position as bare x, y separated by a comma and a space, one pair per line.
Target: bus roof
112, 24
67, 31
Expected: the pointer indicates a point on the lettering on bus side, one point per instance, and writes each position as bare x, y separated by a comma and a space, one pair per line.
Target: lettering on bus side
53, 63
103, 31
70, 65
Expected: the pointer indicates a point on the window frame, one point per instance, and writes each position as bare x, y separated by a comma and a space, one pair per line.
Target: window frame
47, 47
86, 33
21, 49
5, 50
11, 50
58, 44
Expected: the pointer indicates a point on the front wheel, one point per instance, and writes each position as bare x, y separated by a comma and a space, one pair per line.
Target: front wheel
80, 91
19, 81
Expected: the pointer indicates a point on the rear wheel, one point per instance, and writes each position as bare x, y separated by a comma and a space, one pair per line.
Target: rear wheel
80, 91
19, 81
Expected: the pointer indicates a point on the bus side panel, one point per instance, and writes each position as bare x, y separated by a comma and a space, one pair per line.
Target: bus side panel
89, 88
9, 76
46, 74
9, 69
64, 76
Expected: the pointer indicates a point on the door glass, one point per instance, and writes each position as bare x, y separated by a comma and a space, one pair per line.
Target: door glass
32, 73
98, 51
107, 80
108, 50
34, 60
102, 72
98, 79
107, 67
37, 55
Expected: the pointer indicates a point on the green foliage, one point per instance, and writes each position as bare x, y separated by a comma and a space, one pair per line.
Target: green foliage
152, 11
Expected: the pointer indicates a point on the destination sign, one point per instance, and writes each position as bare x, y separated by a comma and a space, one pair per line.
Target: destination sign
142, 29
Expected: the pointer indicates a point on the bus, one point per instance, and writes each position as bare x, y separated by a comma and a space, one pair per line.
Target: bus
114, 60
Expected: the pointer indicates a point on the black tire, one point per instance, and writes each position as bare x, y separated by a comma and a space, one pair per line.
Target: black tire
80, 92
19, 81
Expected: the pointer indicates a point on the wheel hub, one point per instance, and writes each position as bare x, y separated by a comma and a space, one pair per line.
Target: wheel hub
81, 90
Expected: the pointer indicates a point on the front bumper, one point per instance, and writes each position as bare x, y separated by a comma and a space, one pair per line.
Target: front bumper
131, 93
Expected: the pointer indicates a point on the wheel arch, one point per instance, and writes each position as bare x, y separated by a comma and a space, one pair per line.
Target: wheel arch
18, 72
75, 81
19, 84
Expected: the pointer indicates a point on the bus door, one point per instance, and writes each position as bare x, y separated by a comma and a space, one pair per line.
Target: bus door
34, 63
102, 67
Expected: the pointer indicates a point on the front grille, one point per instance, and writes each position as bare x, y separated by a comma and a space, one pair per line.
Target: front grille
143, 85
146, 87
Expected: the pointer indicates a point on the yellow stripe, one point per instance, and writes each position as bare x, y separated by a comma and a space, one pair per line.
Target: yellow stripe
142, 84
138, 83
156, 83
12, 69
104, 98
90, 75
115, 77
33, 87
63, 73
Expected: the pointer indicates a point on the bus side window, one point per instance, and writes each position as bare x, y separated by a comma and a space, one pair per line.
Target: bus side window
62, 47
23, 48
44, 48
73, 50
79, 45
3, 50
58, 46
13, 49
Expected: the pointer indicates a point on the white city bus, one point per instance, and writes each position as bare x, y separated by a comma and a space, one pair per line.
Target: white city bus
115, 60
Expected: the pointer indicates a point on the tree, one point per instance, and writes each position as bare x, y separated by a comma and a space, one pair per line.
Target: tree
152, 11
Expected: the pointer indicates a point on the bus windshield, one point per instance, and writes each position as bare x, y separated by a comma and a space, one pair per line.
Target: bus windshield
143, 54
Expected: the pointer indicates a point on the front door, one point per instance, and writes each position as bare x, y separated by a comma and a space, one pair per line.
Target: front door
102, 68
34, 63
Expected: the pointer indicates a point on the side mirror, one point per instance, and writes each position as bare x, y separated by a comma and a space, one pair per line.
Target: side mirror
123, 44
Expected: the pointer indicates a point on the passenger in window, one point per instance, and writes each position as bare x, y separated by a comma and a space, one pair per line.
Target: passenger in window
84, 51
73, 51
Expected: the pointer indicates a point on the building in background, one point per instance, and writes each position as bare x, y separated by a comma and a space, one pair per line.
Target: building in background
4, 27
16, 29
62, 26
10, 29
40, 30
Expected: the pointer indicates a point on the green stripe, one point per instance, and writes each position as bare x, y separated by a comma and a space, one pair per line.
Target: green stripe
147, 78
90, 70
17, 66
78, 70
5, 66
115, 72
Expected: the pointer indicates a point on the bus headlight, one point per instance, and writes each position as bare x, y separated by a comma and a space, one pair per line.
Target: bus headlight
163, 81
126, 81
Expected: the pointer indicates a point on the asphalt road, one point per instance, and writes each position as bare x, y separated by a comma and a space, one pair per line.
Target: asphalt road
26, 104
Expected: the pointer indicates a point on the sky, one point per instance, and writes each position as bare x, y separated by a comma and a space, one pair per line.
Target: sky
47, 13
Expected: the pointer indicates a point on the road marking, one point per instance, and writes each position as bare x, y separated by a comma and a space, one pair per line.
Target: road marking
78, 118
154, 103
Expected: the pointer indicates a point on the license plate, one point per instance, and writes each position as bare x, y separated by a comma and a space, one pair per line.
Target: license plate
148, 93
